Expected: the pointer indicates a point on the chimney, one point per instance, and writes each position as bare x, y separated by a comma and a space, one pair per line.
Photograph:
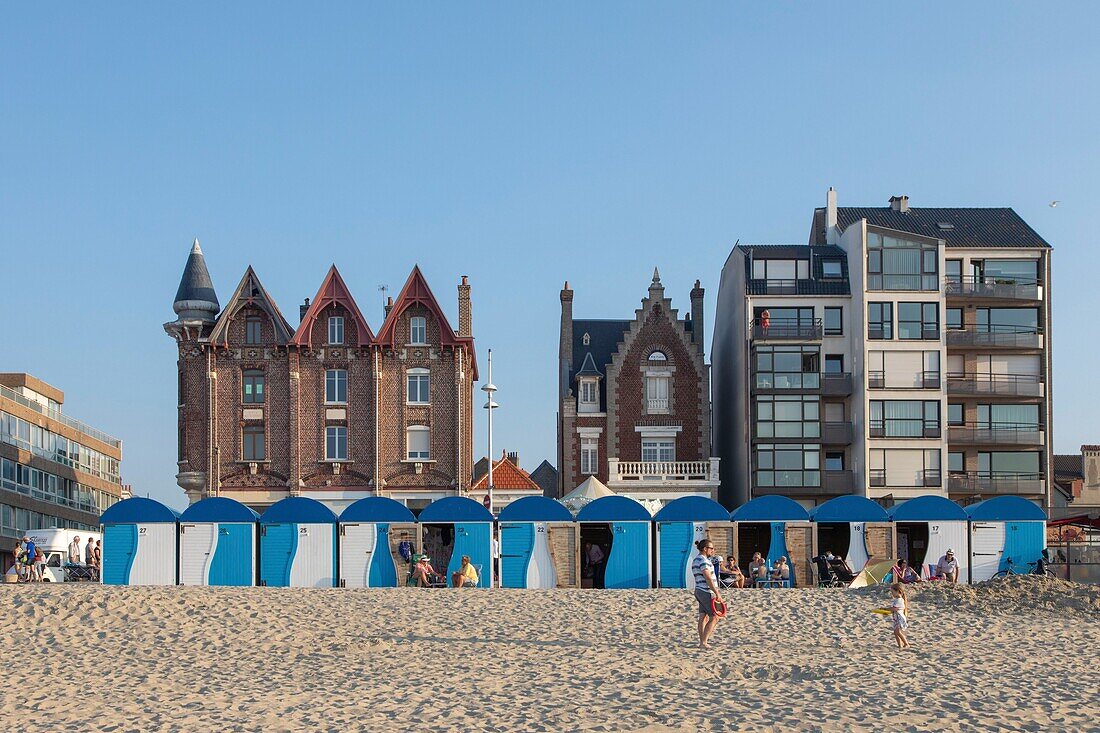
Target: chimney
565, 344
302, 310
387, 308
513, 458
697, 316
465, 322
899, 203
832, 235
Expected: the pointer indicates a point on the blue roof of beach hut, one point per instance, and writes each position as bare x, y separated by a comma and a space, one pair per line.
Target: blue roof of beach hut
1005, 509
692, 509
455, 509
298, 510
138, 510
614, 509
849, 508
770, 509
535, 509
929, 508
218, 509
377, 509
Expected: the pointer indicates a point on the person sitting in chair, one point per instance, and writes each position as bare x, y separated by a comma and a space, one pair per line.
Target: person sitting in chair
758, 568
465, 575
781, 571
842, 569
423, 572
903, 573
731, 574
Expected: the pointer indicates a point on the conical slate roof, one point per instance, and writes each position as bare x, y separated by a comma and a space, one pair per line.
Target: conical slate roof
588, 368
195, 298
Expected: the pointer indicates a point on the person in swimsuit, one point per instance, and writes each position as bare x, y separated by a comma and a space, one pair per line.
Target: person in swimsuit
706, 591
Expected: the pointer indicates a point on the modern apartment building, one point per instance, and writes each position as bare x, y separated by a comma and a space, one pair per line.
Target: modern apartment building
929, 328
55, 471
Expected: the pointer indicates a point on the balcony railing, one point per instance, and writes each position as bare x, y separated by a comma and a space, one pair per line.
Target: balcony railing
925, 283
840, 482
1013, 385
921, 380
775, 286
785, 329
995, 433
788, 482
836, 385
992, 287
88, 430
1018, 337
788, 380
657, 405
903, 427
662, 472
977, 482
836, 433
927, 479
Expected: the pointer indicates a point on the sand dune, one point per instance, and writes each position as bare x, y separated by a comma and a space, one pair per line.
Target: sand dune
1019, 654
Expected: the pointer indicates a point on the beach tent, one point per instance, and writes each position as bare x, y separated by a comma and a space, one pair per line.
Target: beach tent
928, 526
139, 543
218, 543
624, 526
775, 526
371, 532
855, 528
589, 490
539, 544
680, 524
472, 525
1004, 529
298, 544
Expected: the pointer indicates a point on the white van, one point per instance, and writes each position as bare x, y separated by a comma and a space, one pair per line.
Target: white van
55, 547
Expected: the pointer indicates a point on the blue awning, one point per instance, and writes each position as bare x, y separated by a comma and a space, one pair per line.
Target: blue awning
377, 509
849, 509
454, 509
1005, 509
535, 509
298, 510
771, 509
614, 509
218, 509
138, 510
927, 509
692, 509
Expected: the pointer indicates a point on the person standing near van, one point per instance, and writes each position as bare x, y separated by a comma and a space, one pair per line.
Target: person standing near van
97, 557
74, 551
29, 557
89, 552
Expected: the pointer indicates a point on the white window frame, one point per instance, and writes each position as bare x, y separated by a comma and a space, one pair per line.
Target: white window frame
338, 379
661, 450
655, 383
590, 455
332, 432
423, 381
418, 323
412, 455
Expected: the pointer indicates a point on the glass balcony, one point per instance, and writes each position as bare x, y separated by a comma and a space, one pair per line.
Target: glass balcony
1009, 385
991, 287
836, 385
976, 482
995, 434
1015, 337
836, 433
784, 329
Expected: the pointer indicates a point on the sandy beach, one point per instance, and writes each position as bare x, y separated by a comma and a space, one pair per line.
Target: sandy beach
1018, 654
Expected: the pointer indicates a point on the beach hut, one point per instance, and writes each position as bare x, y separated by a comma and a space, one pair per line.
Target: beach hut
139, 543
680, 524
298, 544
855, 528
621, 527
455, 526
928, 526
775, 526
539, 544
1004, 530
217, 544
371, 533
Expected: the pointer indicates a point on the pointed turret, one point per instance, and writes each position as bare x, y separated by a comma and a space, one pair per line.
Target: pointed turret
195, 298
656, 289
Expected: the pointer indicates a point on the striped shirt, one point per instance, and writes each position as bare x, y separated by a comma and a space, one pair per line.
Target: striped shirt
702, 568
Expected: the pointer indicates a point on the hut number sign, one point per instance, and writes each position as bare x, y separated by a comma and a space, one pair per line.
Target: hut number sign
303, 531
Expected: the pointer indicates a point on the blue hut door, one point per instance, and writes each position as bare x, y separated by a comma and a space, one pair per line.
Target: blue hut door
517, 545
383, 570
1024, 542
628, 564
674, 550
280, 542
119, 547
232, 562
473, 539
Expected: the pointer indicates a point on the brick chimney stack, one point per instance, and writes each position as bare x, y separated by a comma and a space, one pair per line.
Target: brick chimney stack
465, 317
302, 310
513, 458
697, 315
565, 345
387, 307
899, 203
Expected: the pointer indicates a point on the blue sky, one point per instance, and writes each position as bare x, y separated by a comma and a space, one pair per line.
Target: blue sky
521, 144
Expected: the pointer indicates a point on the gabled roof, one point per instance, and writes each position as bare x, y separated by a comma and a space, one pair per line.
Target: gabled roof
588, 367
506, 475
546, 476
966, 227
333, 291
1069, 466
250, 291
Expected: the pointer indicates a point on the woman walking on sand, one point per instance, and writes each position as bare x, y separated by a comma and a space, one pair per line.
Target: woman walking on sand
706, 591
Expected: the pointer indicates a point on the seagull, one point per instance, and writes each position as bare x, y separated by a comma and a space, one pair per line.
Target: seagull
1053, 204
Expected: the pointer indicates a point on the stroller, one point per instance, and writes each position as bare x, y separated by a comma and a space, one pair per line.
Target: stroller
826, 576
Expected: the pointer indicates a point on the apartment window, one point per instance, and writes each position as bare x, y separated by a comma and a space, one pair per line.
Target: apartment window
779, 270
955, 414
590, 451
788, 465
1008, 272
830, 269
786, 322
252, 330
955, 462
834, 461
418, 383
787, 367
1008, 320
1008, 417
834, 363
788, 416
656, 450
918, 321
418, 442
894, 263
952, 271
904, 467
252, 441
656, 389
905, 418
418, 330
336, 443
954, 320
903, 369
336, 386
834, 321
1009, 464
336, 330
252, 386
880, 321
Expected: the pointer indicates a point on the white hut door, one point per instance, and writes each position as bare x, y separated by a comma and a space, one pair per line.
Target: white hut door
987, 542
857, 546
357, 546
197, 545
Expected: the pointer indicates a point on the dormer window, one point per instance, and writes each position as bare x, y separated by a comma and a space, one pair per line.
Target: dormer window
418, 331
830, 269
252, 330
779, 270
335, 330
586, 339
658, 356
589, 396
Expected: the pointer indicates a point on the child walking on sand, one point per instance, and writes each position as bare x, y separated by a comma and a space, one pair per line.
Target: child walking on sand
899, 609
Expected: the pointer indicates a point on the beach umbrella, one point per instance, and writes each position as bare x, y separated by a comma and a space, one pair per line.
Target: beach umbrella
873, 574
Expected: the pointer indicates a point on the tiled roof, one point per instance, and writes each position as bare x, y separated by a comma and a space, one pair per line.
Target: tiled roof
546, 476
506, 475
968, 227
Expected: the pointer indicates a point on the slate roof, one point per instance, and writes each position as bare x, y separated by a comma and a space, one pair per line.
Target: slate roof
546, 476
1069, 466
604, 338
195, 285
817, 285
971, 227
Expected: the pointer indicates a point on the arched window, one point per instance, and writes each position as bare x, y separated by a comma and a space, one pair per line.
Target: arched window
658, 356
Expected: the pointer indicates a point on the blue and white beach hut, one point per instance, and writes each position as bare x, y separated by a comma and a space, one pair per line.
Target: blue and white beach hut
139, 543
298, 544
855, 528
621, 527
775, 526
1004, 530
928, 526
538, 545
218, 543
680, 524
464, 527
371, 531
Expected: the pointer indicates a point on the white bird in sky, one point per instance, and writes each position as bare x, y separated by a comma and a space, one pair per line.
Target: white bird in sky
1053, 204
